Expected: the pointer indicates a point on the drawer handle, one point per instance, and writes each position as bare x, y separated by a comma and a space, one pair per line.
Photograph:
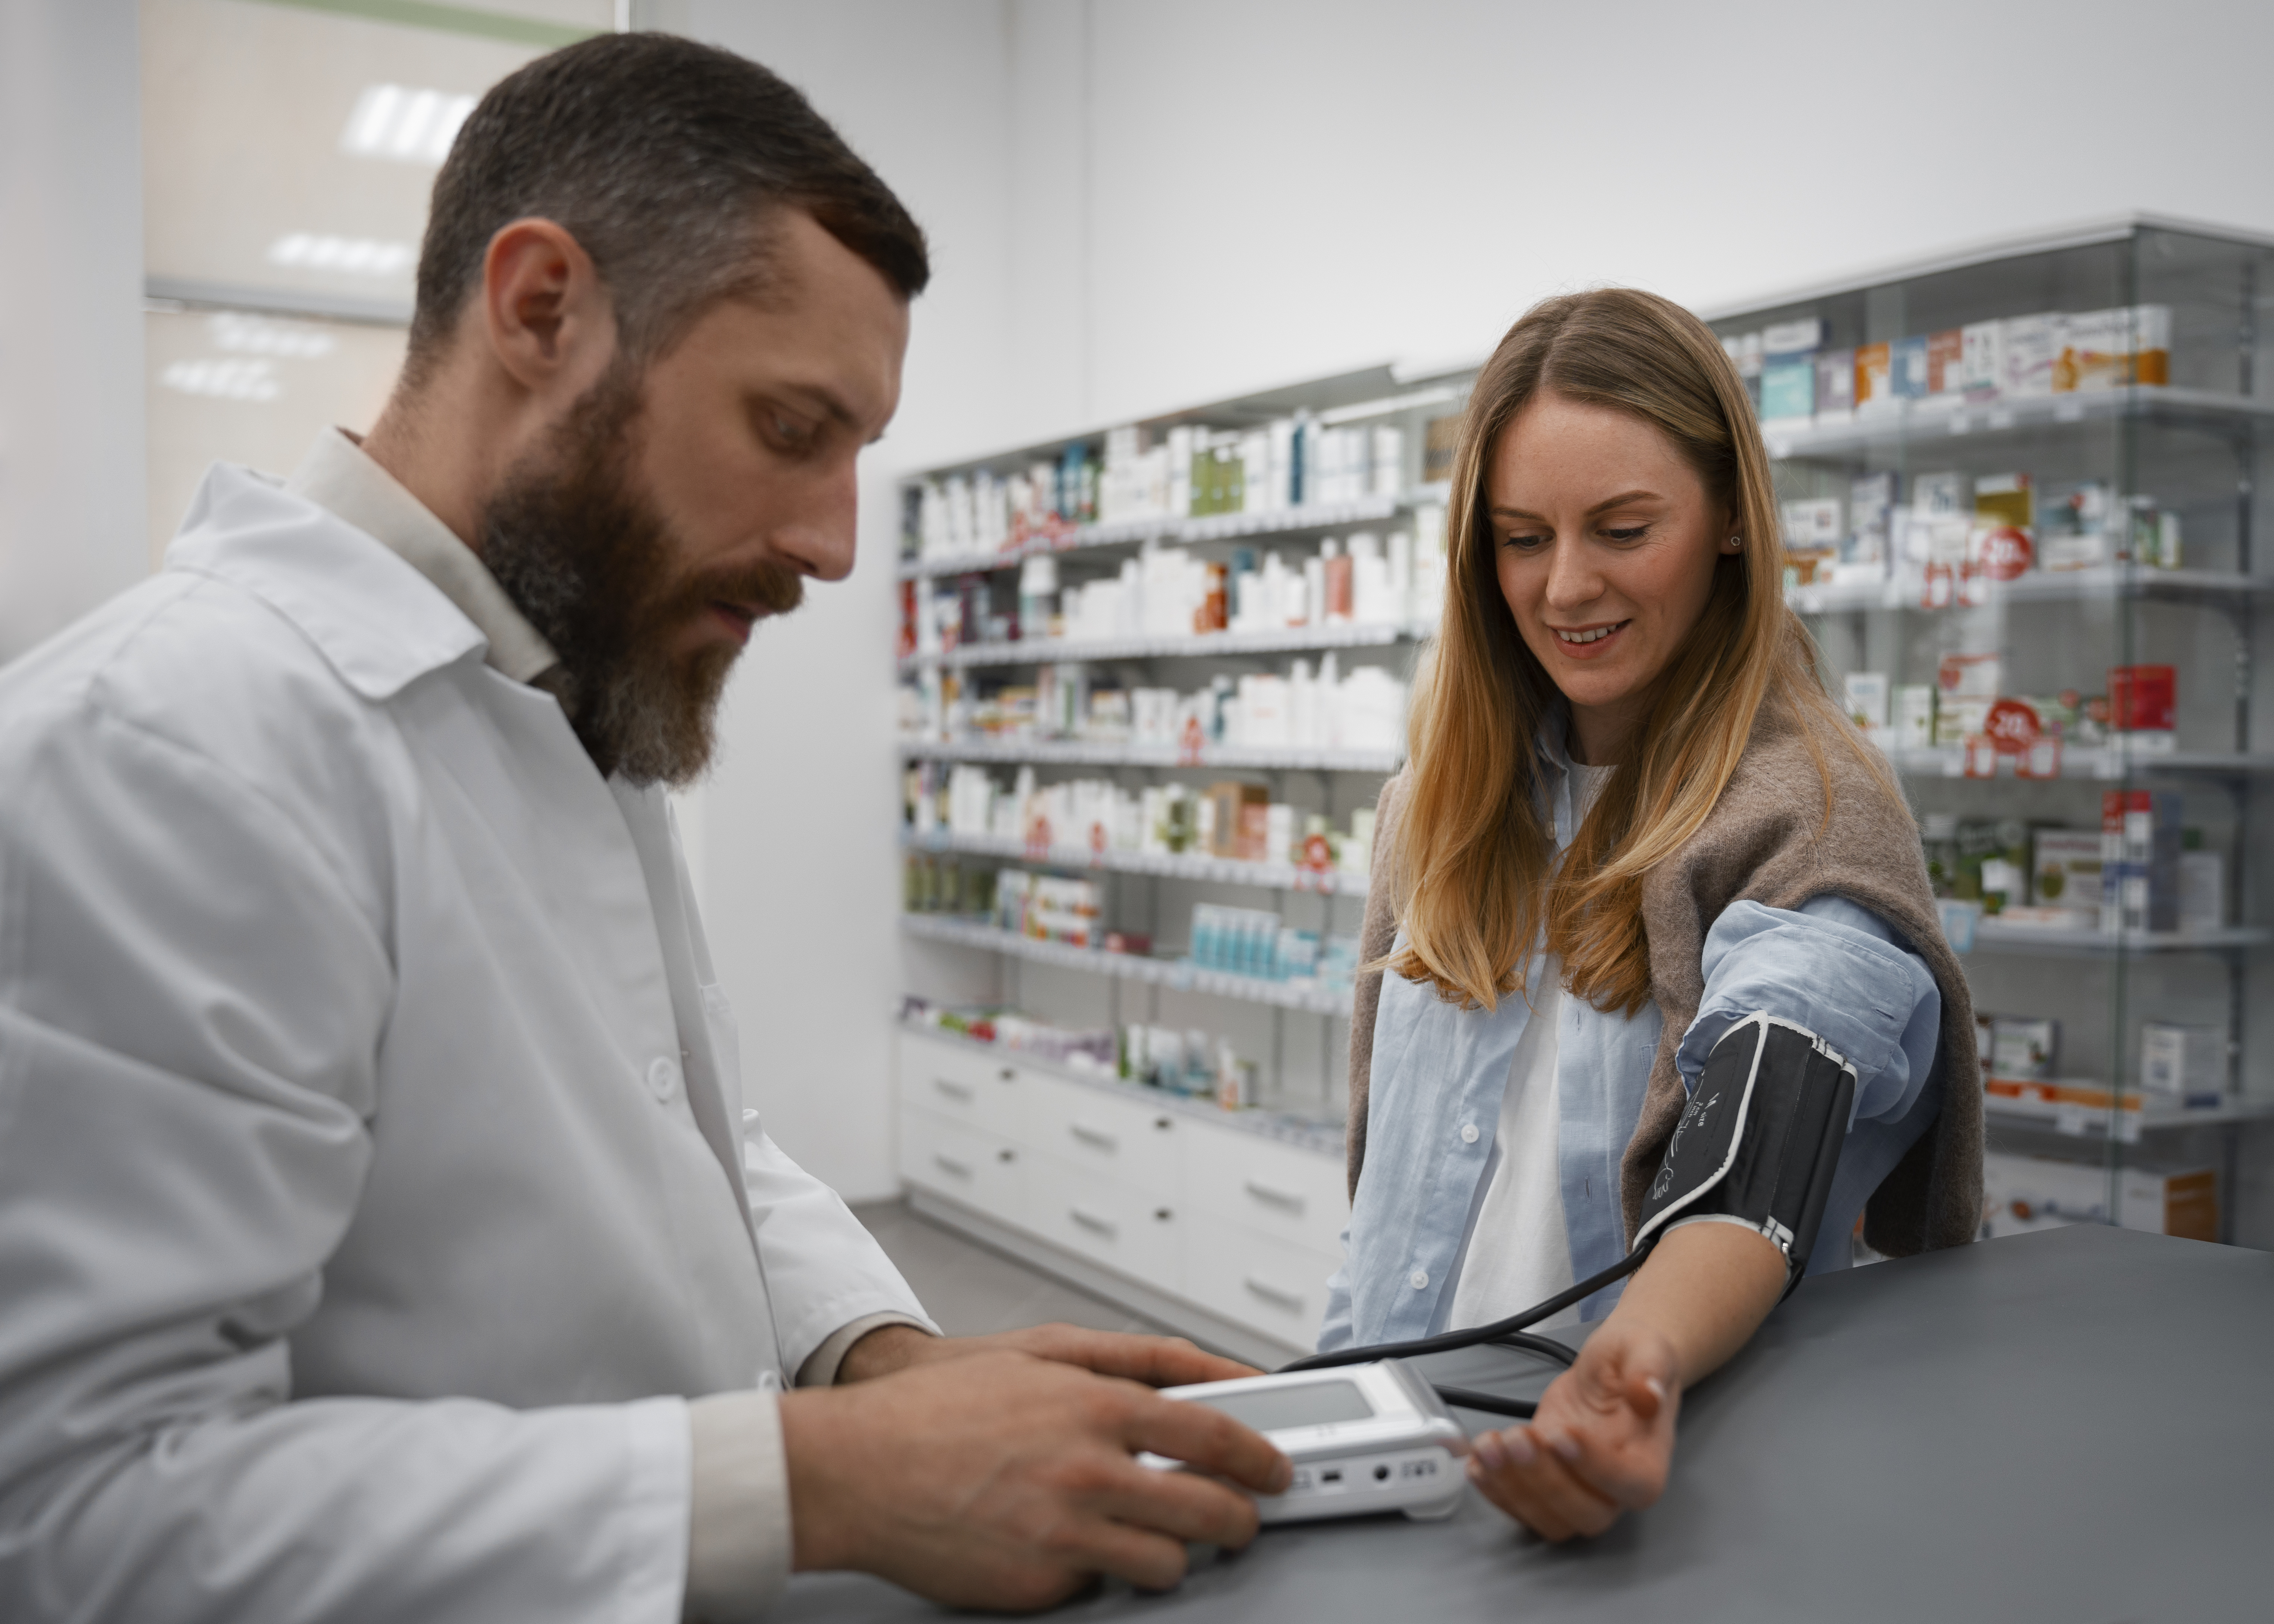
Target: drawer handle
1091, 1221
1008, 1074
953, 1091
1163, 1123
1270, 1196
1277, 1296
1098, 1137
1006, 1154
949, 1164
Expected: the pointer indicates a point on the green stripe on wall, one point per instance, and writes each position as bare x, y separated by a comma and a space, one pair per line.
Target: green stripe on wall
449, 19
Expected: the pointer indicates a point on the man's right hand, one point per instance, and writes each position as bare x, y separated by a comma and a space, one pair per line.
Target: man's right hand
1006, 1481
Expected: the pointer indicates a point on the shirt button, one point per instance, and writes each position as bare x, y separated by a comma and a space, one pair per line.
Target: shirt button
663, 1080
1418, 1278
1468, 1133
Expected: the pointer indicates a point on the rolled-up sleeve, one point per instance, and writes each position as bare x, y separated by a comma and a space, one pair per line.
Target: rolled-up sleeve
1837, 969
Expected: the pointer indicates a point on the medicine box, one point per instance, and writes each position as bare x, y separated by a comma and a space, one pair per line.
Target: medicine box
1835, 384
2065, 871
2024, 1194
2184, 1064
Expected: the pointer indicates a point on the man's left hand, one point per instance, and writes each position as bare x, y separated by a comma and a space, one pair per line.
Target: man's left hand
1157, 1361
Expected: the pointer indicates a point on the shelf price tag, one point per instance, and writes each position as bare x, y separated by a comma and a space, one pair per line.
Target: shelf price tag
1981, 756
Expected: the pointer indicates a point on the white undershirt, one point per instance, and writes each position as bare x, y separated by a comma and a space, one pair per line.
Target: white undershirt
1518, 1251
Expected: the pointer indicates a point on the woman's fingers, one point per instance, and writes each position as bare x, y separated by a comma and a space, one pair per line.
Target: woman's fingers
1539, 1489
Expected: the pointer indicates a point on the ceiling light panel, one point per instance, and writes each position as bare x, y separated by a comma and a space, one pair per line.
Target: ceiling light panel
223, 380
405, 125
357, 256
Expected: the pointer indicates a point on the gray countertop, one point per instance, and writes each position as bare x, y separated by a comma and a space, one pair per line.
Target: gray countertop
2074, 1426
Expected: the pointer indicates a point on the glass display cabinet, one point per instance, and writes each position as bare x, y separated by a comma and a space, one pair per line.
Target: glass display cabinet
2018, 492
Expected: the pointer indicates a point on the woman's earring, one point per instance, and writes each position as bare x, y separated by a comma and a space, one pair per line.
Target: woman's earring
1735, 542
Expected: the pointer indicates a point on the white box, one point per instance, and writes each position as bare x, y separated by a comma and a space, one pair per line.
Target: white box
2187, 1064
1867, 696
2032, 350
1914, 724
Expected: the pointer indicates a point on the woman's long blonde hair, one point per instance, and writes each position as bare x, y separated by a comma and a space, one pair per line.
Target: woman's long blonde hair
1475, 862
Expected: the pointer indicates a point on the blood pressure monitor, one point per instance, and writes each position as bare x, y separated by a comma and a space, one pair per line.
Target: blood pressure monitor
1363, 1439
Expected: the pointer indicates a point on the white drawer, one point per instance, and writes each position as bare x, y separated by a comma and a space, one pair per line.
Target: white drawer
960, 1084
1255, 1279
1106, 1220
1130, 1139
982, 1170
1291, 1194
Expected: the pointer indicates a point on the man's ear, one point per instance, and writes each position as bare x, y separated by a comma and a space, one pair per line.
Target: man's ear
547, 318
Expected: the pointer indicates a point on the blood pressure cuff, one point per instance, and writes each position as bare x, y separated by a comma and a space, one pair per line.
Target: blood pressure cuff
1759, 1140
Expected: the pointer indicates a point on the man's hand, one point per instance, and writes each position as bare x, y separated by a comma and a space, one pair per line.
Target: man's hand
1156, 1361
994, 1479
1600, 1443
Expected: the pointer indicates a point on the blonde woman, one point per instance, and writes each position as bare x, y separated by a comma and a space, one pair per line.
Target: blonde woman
1631, 817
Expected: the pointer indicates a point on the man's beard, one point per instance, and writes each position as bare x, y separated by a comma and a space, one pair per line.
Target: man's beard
584, 553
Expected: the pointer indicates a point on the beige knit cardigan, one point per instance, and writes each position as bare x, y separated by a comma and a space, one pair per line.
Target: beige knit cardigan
1766, 841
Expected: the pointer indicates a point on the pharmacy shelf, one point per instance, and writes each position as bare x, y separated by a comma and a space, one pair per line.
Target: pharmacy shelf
1131, 532
1313, 997
1207, 645
2107, 580
2100, 762
1996, 935
1082, 753
1323, 1138
1945, 418
1170, 865
2139, 1116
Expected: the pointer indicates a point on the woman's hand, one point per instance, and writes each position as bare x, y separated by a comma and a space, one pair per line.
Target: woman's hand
1601, 1443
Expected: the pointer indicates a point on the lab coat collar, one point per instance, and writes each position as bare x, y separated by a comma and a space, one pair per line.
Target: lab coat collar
377, 620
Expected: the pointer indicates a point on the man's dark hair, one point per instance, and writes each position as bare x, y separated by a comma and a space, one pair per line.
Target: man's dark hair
669, 161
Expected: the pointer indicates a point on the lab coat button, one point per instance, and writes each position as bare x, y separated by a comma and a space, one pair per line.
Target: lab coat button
663, 1080
1468, 1133
1419, 1279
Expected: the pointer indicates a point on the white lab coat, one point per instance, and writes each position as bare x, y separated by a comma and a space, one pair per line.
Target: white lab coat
373, 1175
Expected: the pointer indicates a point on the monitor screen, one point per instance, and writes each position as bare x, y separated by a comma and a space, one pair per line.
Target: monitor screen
1311, 1403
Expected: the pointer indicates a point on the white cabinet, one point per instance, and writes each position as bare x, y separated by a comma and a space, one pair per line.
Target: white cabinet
980, 1170
1198, 1211
1255, 1279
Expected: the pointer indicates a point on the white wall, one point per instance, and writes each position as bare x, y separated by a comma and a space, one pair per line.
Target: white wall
802, 881
71, 314
1140, 204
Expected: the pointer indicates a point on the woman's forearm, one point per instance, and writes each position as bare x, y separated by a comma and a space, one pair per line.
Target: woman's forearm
1706, 1288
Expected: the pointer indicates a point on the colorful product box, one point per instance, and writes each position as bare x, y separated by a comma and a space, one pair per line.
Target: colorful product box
1874, 376
2140, 848
1945, 362
2032, 350
2143, 699
1787, 389
1906, 368
2064, 872
1982, 360
1835, 384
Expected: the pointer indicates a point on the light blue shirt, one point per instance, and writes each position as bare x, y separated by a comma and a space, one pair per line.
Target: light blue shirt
1439, 1071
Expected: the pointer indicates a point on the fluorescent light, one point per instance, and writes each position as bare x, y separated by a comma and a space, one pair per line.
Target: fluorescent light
227, 381
357, 256
300, 340
408, 126
1395, 403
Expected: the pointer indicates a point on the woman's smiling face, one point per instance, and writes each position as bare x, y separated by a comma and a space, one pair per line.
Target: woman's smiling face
1607, 541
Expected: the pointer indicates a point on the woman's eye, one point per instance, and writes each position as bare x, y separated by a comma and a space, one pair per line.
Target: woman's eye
1634, 533
1525, 543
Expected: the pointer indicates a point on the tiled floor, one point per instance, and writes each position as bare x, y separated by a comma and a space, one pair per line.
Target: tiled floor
971, 1291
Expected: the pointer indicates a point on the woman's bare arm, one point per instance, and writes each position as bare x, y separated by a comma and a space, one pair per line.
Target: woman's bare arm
1603, 1439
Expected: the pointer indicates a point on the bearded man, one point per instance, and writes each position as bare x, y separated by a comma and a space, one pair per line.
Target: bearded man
381, 1233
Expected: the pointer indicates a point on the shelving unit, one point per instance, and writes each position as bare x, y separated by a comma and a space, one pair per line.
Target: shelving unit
2194, 445
1133, 532
1310, 997
1213, 645
1174, 865
1082, 753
